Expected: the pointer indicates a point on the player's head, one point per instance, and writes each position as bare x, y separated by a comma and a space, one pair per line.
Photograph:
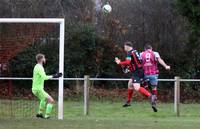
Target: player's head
40, 58
147, 47
128, 46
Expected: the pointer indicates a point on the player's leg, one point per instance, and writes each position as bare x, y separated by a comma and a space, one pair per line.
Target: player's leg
154, 93
138, 75
145, 83
130, 93
50, 103
145, 92
49, 108
46, 101
141, 90
153, 79
42, 104
154, 84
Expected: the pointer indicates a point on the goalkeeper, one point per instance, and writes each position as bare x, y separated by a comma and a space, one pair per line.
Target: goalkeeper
39, 76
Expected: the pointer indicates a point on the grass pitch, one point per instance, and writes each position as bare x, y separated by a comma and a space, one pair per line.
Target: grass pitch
111, 115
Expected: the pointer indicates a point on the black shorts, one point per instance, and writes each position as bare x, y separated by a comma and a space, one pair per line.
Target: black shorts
137, 75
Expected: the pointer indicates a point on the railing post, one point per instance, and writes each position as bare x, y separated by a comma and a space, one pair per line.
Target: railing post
177, 96
86, 94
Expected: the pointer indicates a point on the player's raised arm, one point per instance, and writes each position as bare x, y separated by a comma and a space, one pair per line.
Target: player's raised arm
126, 62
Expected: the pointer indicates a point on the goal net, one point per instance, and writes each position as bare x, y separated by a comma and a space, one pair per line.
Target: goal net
20, 40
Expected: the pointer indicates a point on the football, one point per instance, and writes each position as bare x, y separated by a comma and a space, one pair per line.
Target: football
107, 8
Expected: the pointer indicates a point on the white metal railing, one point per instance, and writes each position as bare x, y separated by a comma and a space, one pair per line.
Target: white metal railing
177, 81
99, 79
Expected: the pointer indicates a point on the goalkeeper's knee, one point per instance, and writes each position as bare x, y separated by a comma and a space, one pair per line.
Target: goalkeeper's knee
50, 100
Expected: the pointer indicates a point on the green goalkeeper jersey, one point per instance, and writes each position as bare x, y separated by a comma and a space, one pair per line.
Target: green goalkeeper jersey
39, 76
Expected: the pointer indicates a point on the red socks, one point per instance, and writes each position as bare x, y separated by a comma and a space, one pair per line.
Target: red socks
155, 92
130, 95
144, 92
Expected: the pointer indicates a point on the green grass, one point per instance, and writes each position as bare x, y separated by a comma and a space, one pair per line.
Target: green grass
110, 115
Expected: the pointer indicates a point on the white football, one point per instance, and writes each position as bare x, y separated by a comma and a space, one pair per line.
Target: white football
107, 8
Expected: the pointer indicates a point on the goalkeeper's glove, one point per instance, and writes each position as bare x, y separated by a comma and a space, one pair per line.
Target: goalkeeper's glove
57, 75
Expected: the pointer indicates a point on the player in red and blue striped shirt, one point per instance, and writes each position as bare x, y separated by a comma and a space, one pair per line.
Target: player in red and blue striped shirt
150, 60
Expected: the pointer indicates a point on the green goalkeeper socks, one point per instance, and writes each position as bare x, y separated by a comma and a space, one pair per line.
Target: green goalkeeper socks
42, 106
49, 109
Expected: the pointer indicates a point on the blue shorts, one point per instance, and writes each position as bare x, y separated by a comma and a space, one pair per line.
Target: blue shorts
153, 79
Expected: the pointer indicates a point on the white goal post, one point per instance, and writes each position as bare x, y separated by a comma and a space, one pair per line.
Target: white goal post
61, 22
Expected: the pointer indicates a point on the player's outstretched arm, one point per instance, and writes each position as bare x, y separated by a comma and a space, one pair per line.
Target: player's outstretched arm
126, 62
162, 62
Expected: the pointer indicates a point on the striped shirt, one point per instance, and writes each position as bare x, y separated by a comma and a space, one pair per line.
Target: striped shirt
149, 61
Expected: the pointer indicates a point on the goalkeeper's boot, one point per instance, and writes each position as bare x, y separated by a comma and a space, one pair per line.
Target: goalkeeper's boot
39, 115
47, 117
153, 103
127, 104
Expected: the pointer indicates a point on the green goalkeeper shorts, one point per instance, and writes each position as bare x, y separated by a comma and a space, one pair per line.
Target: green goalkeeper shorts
41, 94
